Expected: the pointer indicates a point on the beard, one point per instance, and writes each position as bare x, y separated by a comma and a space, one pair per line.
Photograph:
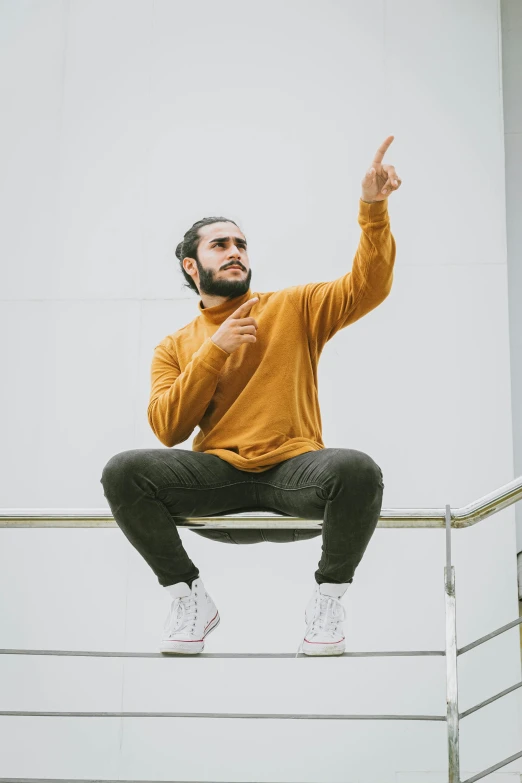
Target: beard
223, 287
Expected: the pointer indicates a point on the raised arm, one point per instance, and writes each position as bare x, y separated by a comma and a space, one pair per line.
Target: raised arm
330, 306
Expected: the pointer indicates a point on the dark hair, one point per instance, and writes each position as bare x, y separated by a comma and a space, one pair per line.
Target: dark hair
189, 245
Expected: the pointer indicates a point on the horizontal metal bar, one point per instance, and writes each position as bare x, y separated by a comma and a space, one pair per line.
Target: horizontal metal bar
488, 771
104, 780
466, 516
241, 715
492, 699
99, 518
491, 635
104, 654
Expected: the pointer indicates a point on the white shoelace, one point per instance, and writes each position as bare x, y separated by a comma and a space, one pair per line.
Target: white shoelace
325, 618
182, 612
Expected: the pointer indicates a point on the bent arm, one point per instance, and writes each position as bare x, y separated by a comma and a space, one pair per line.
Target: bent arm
178, 400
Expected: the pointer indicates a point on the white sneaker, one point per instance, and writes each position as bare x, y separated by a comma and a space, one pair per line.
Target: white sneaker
193, 615
324, 616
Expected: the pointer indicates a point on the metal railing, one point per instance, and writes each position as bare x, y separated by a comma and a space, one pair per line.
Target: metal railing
393, 518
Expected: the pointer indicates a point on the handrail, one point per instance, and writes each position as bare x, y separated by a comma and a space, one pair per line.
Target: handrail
465, 516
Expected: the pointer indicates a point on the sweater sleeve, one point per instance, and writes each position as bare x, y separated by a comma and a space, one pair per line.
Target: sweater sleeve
178, 400
328, 307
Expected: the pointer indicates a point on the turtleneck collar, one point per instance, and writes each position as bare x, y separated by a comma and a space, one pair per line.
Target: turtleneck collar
220, 312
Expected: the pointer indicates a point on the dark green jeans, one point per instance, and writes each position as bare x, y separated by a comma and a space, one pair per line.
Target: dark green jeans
150, 491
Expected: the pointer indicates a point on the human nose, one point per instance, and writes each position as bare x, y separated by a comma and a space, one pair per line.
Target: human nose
234, 251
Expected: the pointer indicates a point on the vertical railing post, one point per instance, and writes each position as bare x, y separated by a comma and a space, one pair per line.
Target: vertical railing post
452, 699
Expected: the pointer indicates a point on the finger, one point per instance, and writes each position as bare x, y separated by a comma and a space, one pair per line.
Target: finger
244, 308
389, 170
379, 155
393, 182
247, 322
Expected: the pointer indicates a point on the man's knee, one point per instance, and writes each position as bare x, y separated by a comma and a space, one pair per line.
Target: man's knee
118, 474
356, 468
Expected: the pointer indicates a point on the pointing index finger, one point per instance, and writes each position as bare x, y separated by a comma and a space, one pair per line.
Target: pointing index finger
379, 155
242, 308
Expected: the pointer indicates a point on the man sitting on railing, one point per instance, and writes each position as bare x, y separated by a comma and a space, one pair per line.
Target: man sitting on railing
245, 372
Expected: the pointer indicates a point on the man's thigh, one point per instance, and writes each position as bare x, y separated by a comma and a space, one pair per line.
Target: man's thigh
189, 483
301, 486
292, 488
205, 485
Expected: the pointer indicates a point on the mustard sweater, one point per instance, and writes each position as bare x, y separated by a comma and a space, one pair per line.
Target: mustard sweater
259, 405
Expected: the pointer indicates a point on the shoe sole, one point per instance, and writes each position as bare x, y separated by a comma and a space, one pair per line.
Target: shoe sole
189, 648
323, 649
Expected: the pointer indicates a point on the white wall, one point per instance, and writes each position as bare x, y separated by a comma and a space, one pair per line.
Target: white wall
114, 115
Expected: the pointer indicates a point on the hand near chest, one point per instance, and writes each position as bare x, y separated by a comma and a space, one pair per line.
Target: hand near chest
237, 329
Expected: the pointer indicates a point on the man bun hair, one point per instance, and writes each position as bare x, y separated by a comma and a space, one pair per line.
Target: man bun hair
189, 246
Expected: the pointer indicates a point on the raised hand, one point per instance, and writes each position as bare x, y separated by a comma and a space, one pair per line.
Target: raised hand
237, 329
380, 179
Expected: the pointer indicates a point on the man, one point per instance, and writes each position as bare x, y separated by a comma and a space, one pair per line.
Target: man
245, 372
